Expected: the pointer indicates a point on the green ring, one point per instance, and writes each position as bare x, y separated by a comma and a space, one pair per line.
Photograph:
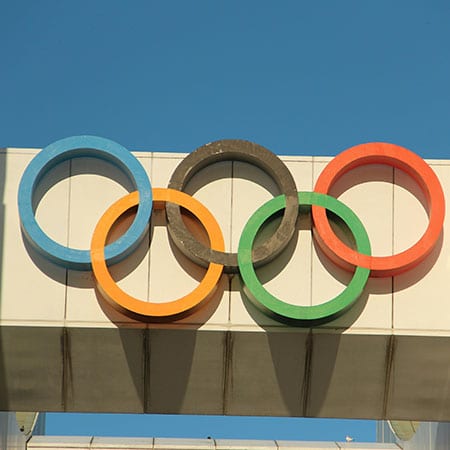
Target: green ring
278, 309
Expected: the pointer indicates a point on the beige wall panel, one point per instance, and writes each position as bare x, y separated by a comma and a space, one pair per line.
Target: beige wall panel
367, 191
21, 278
118, 355
344, 367
163, 166
185, 369
267, 373
252, 188
243, 314
172, 274
31, 368
421, 296
419, 379
95, 186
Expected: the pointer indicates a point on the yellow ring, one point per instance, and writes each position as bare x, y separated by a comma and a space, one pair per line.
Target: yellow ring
143, 310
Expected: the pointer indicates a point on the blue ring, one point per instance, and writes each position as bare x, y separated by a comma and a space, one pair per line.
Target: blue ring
75, 147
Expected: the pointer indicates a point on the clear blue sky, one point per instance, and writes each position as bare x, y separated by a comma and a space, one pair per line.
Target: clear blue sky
299, 77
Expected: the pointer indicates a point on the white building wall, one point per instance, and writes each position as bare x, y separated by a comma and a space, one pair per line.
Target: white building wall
386, 357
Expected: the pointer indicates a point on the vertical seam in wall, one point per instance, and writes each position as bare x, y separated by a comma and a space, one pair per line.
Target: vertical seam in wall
227, 367
230, 286
69, 200
146, 369
66, 367
230, 243
389, 362
66, 281
392, 246
146, 338
66, 287
312, 240
149, 235
309, 340
230, 277
307, 373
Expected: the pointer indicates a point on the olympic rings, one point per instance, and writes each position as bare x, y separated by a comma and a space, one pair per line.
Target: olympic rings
143, 310
74, 147
279, 309
226, 150
214, 256
414, 166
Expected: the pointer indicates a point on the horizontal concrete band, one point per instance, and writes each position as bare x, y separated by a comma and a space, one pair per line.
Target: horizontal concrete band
111, 443
287, 372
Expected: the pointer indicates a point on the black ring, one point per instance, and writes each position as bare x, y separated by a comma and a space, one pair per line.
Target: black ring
239, 150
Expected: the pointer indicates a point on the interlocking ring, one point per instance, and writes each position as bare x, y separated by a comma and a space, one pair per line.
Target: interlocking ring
75, 147
140, 309
227, 150
410, 163
214, 257
280, 309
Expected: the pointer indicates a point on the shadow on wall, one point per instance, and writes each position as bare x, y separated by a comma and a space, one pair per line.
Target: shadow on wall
304, 374
135, 352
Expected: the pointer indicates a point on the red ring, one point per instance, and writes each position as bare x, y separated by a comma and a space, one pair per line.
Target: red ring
408, 162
